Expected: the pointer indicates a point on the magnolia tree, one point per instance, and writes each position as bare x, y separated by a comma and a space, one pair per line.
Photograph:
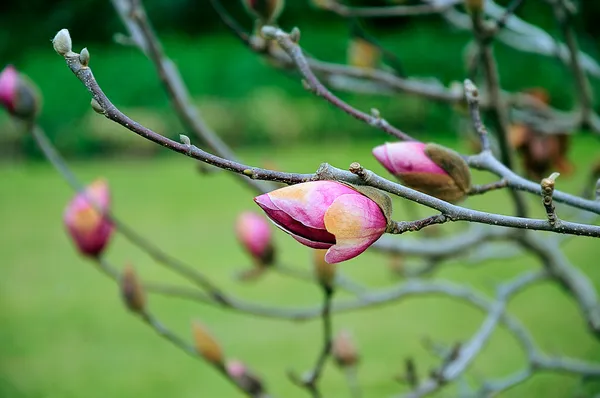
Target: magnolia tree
341, 213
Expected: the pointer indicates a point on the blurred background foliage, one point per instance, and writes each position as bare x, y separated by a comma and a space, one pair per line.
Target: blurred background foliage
243, 98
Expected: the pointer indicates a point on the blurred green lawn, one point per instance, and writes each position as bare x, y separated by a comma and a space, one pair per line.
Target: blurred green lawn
65, 332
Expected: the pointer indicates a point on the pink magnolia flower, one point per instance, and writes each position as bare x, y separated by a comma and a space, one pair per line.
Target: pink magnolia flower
406, 157
17, 94
254, 234
326, 215
429, 168
89, 228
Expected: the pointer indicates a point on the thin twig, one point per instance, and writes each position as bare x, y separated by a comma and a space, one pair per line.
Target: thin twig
311, 382
296, 54
492, 186
386, 12
133, 15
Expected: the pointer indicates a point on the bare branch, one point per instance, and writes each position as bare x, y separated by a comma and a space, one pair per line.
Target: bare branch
467, 353
133, 15
295, 53
385, 12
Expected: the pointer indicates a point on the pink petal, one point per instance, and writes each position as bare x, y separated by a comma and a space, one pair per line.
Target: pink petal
282, 220
357, 222
406, 157
308, 202
310, 243
9, 79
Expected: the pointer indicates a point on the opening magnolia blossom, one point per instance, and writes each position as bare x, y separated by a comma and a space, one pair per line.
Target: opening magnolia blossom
326, 215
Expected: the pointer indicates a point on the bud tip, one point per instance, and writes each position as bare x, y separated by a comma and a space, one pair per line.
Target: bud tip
62, 42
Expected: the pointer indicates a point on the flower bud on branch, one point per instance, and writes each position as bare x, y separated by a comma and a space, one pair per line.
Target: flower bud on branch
428, 168
244, 378
206, 345
62, 43
86, 220
329, 215
132, 290
344, 351
18, 95
547, 186
254, 234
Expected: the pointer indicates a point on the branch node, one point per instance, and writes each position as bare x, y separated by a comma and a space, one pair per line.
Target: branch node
324, 172
547, 187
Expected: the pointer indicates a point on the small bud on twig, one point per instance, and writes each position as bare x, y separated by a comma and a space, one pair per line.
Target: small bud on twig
62, 42
244, 378
84, 57
18, 94
206, 345
185, 140
132, 290
295, 35
547, 186
97, 107
254, 233
343, 350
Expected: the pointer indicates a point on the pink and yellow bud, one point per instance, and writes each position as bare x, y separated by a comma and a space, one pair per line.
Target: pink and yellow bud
266, 10
86, 220
327, 215
254, 233
428, 168
18, 95
343, 350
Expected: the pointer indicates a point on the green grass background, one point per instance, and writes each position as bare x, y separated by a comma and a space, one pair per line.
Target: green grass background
65, 333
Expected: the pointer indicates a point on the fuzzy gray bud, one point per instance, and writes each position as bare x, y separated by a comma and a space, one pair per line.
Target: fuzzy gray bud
62, 42
84, 57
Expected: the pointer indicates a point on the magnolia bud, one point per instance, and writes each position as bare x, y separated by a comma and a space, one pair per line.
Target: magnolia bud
206, 345
62, 42
324, 271
86, 220
329, 215
244, 378
266, 10
18, 94
428, 168
132, 290
84, 57
254, 234
344, 350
